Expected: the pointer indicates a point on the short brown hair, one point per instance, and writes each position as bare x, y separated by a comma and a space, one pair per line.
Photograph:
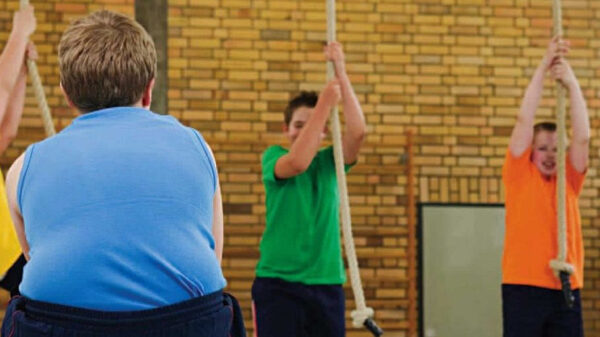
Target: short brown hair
544, 126
106, 60
304, 98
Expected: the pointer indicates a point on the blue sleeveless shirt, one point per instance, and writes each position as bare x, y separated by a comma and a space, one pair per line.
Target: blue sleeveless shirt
118, 211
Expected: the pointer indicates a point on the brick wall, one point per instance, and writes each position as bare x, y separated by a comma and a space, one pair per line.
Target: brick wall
453, 71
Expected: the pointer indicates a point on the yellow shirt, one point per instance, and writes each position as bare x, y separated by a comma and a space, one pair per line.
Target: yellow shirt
9, 244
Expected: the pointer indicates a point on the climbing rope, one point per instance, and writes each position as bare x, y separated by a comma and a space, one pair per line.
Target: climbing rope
40, 95
363, 315
561, 268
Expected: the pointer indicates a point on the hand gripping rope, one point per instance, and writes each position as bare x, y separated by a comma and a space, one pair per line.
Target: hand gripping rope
39, 91
561, 268
363, 315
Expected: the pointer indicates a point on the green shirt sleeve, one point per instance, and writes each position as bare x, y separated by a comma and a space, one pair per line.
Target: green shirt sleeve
269, 159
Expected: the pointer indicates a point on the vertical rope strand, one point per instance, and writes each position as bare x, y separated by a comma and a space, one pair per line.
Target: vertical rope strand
562, 135
341, 181
38, 89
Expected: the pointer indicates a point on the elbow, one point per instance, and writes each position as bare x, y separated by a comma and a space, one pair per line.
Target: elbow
8, 138
298, 166
356, 136
11, 135
524, 121
5, 141
361, 135
582, 140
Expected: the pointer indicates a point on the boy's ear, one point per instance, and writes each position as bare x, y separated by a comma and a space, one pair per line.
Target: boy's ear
284, 127
147, 96
69, 102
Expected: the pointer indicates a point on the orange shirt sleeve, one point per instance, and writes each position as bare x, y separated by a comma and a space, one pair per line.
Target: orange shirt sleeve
516, 168
575, 178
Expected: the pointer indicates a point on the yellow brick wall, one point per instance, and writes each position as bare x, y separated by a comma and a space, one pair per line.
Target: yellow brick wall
453, 71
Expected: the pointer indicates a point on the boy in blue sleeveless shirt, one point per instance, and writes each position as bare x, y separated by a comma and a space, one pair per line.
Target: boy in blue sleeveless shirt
298, 287
120, 214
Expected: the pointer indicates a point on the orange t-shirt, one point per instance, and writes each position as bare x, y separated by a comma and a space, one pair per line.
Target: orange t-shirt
530, 240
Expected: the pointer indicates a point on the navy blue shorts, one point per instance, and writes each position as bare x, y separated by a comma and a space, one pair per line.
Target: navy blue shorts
294, 309
213, 315
539, 312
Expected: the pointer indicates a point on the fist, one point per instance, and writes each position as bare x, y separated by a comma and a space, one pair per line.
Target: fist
562, 71
24, 21
332, 93
557, 48
334, 53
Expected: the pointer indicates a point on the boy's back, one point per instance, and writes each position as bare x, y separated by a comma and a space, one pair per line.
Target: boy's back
130, 194
121, 211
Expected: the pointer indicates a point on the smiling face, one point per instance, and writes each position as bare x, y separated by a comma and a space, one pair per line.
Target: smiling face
300, 117
544, 152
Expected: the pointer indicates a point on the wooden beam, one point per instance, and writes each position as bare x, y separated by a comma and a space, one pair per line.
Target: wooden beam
413, 322
152, 15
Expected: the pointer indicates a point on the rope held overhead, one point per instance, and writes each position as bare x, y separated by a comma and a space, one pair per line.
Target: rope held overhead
362, 316
40, 95
561, 268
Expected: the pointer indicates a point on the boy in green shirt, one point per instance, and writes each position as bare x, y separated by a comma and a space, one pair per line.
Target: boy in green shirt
298, 286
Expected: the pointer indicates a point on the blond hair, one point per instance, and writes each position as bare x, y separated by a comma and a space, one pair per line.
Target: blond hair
106, 60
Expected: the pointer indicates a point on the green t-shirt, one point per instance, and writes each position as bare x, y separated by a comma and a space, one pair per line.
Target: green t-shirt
301, 242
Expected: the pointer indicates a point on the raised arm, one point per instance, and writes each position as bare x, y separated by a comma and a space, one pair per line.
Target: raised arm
356, 127
11, 64
580, 124
307, 143
522, 134
9, 125
12, 181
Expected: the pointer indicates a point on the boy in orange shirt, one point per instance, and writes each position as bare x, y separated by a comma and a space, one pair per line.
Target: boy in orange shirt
533, 304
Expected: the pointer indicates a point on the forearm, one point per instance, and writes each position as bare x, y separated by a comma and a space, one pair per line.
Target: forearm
14, 110
532, 98
353, 114
580, 123
522, 134
308, 142
11, 60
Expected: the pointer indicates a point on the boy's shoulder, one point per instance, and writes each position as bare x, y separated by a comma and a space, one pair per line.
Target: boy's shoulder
325, 151
274, 150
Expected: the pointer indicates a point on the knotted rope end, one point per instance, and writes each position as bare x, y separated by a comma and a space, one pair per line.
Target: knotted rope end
558, 266
360, 316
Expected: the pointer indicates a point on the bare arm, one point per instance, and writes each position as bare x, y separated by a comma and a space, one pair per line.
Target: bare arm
14, 75
217, 227
12, 58
217, 223
12, 181
522, 134
307, 144
580, 124
9, 125
356, 127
